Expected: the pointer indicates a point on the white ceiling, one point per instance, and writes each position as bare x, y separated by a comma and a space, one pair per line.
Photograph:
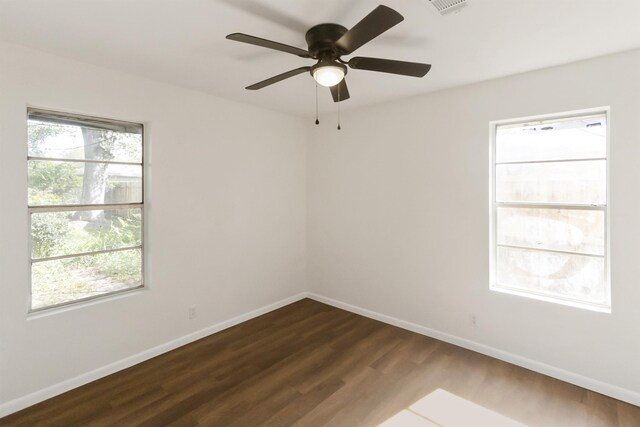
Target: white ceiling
182, 41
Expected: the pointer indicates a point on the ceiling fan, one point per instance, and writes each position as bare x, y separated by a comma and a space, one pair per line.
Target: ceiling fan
327, 43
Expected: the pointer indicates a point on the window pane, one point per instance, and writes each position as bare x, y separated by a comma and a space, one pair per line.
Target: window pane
64, 141
565, 182
557, 229
578, 138
574, 276
69, 183
73, 232
70, 279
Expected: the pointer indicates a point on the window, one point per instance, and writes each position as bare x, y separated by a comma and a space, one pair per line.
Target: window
549, 231
85, 198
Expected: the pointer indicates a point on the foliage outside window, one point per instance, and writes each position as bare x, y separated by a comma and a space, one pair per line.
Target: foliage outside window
85, 207
549, 210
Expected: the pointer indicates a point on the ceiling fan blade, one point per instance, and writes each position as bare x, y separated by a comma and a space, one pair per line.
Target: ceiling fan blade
413, 69
245, 38
279, 77
343, 94
375, 23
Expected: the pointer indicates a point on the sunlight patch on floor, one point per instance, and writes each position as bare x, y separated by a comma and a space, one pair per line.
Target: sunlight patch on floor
445, 409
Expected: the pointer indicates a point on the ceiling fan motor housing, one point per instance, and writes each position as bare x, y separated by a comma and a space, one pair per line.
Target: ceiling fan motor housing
321, 40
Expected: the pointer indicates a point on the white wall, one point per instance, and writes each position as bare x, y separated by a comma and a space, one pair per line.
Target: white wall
391, 214
398, 217
226, 217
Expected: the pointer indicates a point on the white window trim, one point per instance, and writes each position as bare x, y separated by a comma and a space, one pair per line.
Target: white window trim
65, 306
493, 206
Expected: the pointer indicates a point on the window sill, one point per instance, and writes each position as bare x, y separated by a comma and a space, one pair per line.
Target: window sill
556, 300
46, 312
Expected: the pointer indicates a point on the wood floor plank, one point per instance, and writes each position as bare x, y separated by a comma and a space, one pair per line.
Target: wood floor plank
304, 404
310, 364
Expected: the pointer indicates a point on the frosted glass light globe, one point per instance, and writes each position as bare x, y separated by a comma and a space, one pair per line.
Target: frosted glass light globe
328, 75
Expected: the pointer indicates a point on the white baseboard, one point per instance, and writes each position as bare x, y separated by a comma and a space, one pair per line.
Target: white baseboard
64, 386
561, 374
616, 392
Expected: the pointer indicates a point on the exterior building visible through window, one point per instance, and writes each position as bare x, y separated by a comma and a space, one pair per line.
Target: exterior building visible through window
549, 230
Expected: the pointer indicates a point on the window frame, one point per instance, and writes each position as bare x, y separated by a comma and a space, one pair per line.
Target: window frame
494, 205
82, 207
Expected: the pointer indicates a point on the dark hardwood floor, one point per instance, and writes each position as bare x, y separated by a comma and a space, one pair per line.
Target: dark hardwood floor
309, 364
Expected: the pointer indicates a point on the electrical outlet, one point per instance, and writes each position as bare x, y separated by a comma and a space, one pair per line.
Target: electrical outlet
474, 320
192, 312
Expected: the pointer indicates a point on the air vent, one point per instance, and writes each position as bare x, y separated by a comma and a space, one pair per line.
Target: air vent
446, 7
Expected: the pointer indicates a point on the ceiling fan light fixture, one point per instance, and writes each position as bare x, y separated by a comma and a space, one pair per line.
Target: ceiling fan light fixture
329, 75
328, 42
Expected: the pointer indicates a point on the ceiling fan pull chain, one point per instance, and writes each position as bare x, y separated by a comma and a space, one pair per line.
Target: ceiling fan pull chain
317, 121
339, 107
